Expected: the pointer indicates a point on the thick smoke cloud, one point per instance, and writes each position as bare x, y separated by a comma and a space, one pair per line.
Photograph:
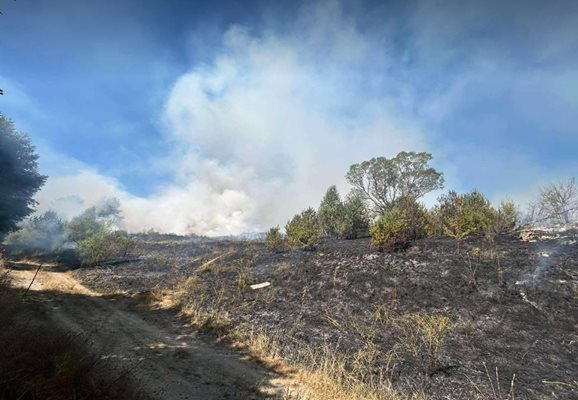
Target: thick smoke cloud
278, 114
260, 133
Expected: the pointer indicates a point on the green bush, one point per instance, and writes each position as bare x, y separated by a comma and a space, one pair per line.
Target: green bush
274, 239
405, 222
331, 213
106, 246
303, 231
463, 215
355, 221
387, 232
343, 220
86, 225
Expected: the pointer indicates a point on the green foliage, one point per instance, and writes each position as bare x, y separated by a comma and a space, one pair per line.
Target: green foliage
105, 246
86, 225
94, 220
382, 182
42, 233
387, 231
507, 218
332, 213
355, 221
463, 215
274, 239
19, 176
303, 231
400, 225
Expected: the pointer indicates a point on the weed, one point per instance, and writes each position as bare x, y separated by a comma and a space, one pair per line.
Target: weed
424, 337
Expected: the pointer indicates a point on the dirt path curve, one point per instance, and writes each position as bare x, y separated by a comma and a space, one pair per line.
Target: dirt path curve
161, 351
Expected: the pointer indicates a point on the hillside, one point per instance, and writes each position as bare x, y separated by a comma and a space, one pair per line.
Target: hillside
485, 322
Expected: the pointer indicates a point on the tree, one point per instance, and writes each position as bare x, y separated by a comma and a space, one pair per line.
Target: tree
274, 239
303, 231
355, 221
558, 202
332, 213
19, 176
383, 182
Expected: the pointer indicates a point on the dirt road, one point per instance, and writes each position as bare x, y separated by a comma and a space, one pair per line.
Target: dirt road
162, 352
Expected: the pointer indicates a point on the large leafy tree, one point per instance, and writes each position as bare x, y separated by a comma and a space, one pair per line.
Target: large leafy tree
19, 176
383, 182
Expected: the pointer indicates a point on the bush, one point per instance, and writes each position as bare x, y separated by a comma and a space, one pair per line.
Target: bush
303, 231
355, 221
274, 239
387, 232
463, 215
40, 234
343, 220
507, 217
105, 246
85, 225
332, 214
396, 228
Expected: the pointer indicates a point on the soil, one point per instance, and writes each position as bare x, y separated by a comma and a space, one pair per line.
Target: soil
514, 304
166, 356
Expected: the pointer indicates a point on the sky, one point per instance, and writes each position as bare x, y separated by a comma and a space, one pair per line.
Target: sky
224, 117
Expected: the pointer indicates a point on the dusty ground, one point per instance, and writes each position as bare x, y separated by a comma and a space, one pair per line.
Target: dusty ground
514, 305
162, 352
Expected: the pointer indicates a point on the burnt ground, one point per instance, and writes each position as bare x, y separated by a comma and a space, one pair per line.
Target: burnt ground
514, 304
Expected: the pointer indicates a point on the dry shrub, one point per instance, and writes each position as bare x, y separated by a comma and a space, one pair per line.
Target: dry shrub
204, 305
424, 337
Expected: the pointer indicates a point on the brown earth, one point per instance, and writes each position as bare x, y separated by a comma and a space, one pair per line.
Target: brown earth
164, 354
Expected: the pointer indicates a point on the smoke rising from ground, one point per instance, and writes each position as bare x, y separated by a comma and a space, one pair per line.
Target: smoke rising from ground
261, 133
278, 114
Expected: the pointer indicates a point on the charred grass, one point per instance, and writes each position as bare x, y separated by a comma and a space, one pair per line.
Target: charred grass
492, 320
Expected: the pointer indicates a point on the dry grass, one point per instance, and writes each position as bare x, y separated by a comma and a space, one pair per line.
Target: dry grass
318, 372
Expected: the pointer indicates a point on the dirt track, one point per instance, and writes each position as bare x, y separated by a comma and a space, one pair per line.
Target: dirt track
161, 351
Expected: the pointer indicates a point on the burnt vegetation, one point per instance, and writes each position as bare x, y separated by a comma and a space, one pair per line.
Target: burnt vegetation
370, 296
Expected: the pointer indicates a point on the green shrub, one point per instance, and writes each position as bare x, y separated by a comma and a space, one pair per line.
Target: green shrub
463, 215
387, 232
106, 246
86, 225
331, 214
303, 231
355, 221
274, 239
405, 222
343, 220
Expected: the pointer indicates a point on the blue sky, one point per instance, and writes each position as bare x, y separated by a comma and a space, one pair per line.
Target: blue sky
221, 117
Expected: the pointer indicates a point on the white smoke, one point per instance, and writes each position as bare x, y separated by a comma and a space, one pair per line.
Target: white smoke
261, 132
